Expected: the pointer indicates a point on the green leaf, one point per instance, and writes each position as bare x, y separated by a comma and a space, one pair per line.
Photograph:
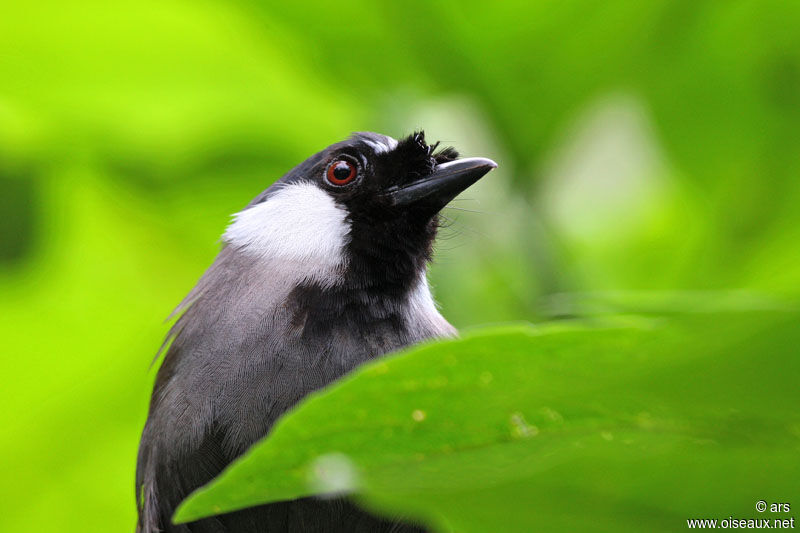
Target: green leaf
618, 427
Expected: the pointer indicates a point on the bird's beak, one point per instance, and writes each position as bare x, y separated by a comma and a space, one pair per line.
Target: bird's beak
442, 185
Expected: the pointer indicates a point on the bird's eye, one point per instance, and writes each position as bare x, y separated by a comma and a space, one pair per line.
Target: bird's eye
341, 172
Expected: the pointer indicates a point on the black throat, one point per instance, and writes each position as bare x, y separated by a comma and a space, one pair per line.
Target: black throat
386, 261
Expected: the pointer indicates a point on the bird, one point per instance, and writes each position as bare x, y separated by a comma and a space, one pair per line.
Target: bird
321, 272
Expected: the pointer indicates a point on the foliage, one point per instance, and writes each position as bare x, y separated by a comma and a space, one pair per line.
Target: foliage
564, 426
643, 147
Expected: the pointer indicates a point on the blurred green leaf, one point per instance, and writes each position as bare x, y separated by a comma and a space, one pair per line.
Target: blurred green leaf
520, 428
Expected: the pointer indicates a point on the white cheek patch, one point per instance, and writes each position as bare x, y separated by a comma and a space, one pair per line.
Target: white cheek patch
379, 147
299, 224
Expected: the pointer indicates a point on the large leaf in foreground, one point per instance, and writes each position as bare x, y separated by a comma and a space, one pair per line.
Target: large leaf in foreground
565, 426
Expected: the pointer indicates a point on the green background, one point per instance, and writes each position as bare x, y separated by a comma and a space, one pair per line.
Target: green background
644, 148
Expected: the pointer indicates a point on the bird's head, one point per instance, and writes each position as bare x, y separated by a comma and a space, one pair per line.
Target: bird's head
362, 212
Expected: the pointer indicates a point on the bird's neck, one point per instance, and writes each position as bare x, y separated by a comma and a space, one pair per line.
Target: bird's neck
400, 315
388, 257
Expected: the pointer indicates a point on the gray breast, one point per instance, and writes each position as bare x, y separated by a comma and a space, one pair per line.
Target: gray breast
254, 339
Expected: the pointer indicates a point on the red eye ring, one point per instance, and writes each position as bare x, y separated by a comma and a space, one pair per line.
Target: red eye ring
341, 172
